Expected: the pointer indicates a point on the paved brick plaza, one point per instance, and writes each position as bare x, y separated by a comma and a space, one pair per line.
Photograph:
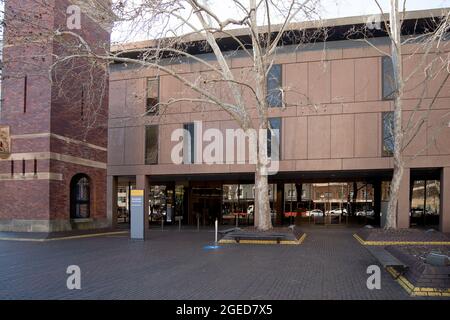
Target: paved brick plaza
330, 264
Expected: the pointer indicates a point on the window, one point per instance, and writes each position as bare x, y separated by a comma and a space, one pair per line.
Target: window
274, 138
189, 143
388, 79
388, 133
151, 144
80, 198
274, 83
152, 95
425, 203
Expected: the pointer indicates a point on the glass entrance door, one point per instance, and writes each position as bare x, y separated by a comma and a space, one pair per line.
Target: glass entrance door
425, 203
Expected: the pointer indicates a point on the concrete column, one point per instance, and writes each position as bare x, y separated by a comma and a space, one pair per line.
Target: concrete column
444, 222
404, 201
111, 200
142, 183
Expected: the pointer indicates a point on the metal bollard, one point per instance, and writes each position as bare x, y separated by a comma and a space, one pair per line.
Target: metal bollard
198, 223
179, 224
217, 229
162, 224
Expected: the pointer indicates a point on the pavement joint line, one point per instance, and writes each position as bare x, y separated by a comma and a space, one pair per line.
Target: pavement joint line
417, 291
287, 242
398, 243
64, 238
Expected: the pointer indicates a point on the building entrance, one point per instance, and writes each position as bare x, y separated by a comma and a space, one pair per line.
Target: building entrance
330, 203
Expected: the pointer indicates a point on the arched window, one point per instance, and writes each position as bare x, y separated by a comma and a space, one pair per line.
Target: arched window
80, 197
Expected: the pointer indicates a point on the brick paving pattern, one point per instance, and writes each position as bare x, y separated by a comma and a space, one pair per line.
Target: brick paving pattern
330, 264
377, 234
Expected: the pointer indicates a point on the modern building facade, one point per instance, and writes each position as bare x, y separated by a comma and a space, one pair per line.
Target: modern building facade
54, 148
335, 148
64, 167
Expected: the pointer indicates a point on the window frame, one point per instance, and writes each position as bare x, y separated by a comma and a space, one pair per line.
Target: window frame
146, 159
384, 71
147, 107
277, 91
74, 202
269, 154
189, 159
384, 151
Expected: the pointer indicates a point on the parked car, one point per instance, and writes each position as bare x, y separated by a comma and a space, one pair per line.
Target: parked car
315, 213
337, 212
418, 212
365, 213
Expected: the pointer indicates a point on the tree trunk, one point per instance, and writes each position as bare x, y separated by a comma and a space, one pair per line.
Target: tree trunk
263, 220
396, 56
391, 217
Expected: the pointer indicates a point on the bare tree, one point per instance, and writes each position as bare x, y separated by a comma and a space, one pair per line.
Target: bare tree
182, 23
431, 49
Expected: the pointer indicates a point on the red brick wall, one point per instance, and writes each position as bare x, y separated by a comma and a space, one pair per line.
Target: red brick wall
51, 107
24, 199
60, 190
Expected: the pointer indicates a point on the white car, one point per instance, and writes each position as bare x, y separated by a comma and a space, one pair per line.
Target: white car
365, 213
314, 213
337, 212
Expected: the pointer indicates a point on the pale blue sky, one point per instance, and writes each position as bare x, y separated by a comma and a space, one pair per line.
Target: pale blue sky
329, 9
348, 8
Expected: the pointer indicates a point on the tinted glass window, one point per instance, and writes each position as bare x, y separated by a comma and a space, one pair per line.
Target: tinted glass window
151, 144
388, 133
274, 138
152, 95
388, 78
274, 98
189, 145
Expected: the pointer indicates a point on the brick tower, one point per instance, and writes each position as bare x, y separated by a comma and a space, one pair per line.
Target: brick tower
53, 118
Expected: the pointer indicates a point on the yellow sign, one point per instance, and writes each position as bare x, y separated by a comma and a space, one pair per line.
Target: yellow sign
137, 193
5, 142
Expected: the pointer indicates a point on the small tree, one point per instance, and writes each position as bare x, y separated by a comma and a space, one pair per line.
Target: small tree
433, 69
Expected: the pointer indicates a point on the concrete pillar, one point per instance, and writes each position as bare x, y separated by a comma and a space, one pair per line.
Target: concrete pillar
111, 200
444, 222
404, 201
142, 183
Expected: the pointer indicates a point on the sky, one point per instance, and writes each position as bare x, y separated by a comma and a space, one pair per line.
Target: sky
329, 9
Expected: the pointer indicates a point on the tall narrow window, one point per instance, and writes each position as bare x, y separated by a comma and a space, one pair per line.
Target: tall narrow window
151, 144
274, 83
25, 93
152, 95
35, 167
23, 167
189, 143
12, 168
80, 197
388, 78
274, 138
388, 133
